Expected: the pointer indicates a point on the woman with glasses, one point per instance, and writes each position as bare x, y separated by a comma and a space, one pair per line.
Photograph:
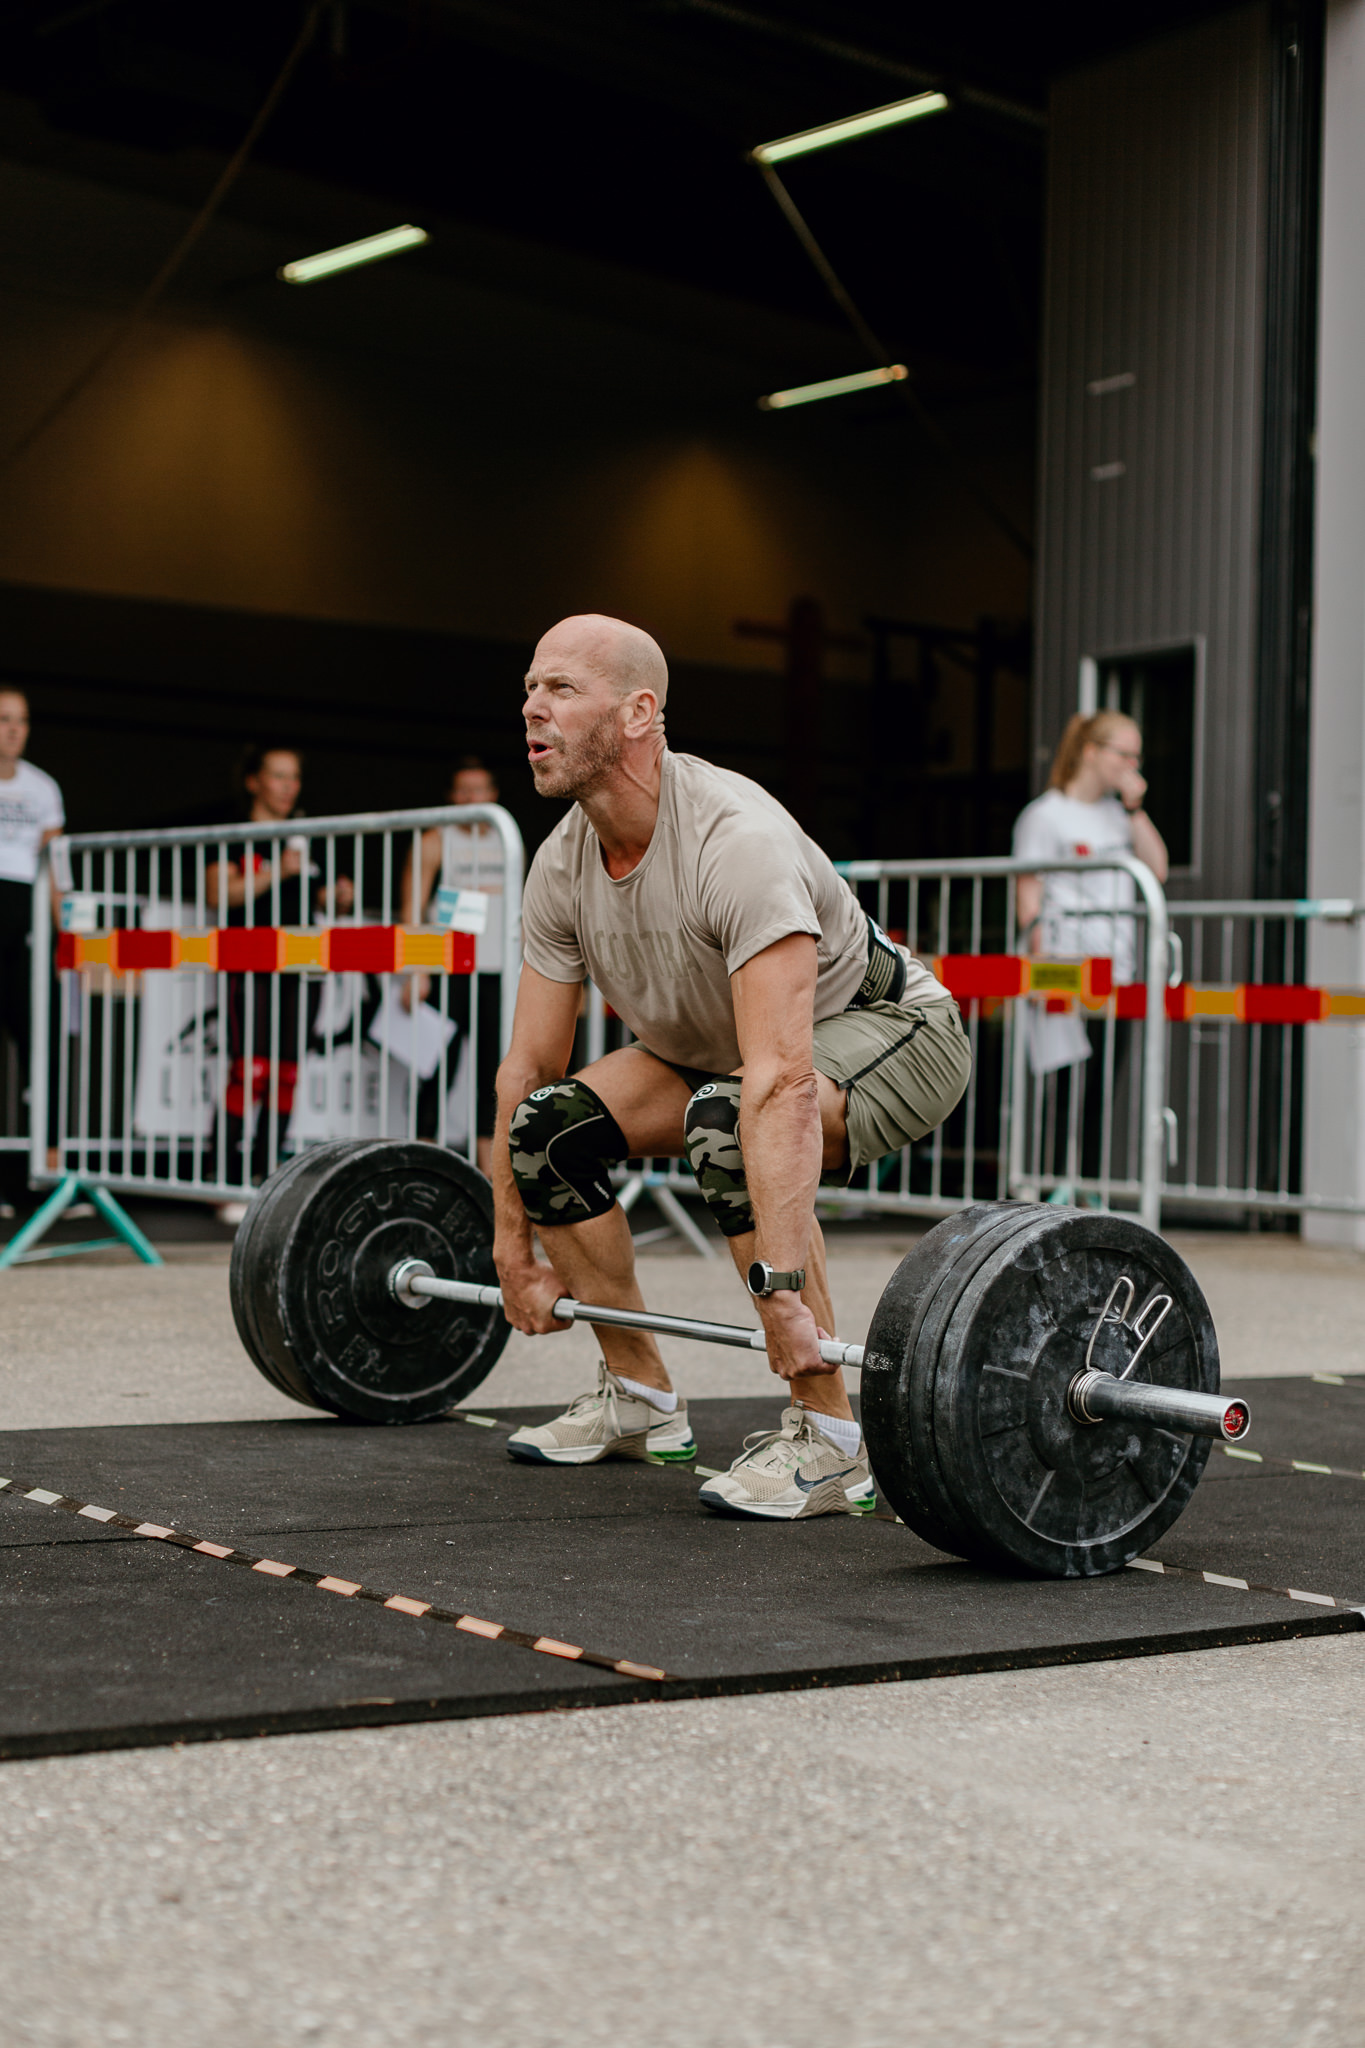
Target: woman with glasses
1093, 804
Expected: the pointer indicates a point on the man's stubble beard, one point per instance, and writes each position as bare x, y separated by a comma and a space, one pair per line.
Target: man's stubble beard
587, 765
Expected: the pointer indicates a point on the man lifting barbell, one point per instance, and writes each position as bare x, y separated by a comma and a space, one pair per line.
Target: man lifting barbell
781, 1037
1040, 1385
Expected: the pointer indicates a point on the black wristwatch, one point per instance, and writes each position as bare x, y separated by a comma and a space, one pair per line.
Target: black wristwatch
765, 1280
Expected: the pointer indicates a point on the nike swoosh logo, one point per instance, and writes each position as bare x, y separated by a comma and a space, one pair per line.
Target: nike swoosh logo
809, 1485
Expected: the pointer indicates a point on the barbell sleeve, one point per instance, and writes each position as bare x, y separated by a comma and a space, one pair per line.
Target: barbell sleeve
1098, 1396
413, 1282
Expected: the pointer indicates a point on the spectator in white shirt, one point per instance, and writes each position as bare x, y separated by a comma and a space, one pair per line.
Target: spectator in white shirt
30, 814
464, 857
1093, 805
469, 857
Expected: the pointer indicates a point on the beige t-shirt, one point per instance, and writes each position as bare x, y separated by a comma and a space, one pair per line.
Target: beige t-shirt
726, 873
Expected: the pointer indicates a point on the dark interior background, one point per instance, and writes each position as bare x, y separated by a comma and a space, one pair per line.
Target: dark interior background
341, 515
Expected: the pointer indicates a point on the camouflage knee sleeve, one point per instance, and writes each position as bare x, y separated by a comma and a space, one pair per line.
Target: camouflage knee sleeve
711, 1133
564, 1140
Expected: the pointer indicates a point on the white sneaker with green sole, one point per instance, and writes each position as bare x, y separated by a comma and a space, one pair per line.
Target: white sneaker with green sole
610, 1422
784, 1475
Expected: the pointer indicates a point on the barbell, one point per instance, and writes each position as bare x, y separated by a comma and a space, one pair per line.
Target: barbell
1039, 1385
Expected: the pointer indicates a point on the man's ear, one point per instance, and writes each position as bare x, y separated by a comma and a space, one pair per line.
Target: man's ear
644, 709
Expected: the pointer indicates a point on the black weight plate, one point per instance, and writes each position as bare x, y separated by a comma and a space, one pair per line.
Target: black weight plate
321, 1263
1006, 1227
897, 1416
1002, 1223
1049, 1494
242, 1290
900, 1360
239, 1270
286, 1190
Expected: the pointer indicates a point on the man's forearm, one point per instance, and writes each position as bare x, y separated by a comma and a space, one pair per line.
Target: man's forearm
512, 1238
780, 1134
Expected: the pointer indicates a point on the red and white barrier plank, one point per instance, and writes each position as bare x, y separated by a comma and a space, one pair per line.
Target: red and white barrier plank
272, 949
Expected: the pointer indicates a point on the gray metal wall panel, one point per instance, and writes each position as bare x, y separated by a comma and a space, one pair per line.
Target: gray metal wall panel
1154, 265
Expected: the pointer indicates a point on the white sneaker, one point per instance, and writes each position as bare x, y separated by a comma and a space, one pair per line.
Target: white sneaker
610, 1422
786, 1474
232, 1215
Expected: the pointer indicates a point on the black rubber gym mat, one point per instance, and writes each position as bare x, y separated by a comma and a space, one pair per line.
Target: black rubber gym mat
108, 1639
1296, 1418
1250, 1518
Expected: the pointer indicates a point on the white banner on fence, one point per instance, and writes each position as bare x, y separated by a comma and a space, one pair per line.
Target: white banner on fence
177, 1049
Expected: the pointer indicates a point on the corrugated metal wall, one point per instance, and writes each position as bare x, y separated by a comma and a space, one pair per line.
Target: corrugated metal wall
1149, 504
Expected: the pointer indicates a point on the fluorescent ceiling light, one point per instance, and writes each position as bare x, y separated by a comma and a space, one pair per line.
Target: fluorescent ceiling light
833, 387
844, 131
351, 253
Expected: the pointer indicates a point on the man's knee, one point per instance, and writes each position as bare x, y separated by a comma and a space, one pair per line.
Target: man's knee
563, 1142
711, 1134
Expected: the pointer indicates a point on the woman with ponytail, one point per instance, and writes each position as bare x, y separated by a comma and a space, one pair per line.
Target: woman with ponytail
1092, 805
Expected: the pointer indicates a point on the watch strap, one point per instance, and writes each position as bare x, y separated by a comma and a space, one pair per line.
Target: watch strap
778, 1283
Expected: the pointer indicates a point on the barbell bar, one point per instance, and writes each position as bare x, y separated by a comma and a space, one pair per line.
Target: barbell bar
1093, 1396
1001, 1405
412, 1282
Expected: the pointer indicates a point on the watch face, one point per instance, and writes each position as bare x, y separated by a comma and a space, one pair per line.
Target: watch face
758, 1277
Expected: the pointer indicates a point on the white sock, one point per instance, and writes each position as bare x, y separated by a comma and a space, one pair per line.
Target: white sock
655, 1396
843, 1432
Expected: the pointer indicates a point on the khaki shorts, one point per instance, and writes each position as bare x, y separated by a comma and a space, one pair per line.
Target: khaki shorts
904, 1067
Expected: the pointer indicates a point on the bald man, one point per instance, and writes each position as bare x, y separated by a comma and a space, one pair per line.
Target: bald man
781, 1037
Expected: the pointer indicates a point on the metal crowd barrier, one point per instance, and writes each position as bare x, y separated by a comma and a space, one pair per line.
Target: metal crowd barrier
1244, 1027
197, 1041
1201, 1111
1090, 1129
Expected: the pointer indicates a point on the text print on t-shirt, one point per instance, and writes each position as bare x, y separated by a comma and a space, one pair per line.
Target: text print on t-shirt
641, 956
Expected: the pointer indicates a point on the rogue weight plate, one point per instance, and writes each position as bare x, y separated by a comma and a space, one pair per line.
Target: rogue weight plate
239, 1295
897, 1391
312, 1288
242, 1293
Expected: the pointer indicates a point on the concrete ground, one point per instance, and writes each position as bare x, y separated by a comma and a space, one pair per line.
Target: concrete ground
1133, 1855
1146, 1853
